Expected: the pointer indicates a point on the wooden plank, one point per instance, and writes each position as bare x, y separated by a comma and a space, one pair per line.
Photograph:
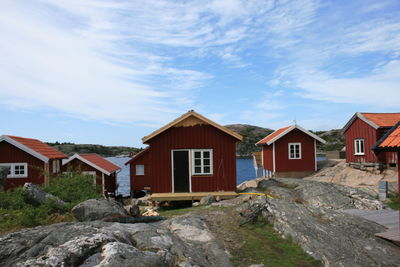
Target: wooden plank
191, 196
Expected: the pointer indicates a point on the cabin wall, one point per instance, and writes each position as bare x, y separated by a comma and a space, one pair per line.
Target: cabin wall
307, 161
268, 163
360, 129
12, 154
140, 182
194, 137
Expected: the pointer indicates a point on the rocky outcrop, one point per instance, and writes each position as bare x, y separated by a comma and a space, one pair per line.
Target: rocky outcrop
334, 196
97, 209
207, 200
182, 241
334, 237
36, 195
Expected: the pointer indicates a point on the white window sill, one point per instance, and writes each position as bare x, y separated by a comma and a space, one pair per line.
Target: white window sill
359, 154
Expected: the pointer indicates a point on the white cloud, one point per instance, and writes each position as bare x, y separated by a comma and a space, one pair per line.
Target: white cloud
381, 88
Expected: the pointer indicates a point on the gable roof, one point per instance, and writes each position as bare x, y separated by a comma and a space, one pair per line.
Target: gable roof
375, 120
138, 155
185, 116
34, 147
390, 141
96, 161
275, 136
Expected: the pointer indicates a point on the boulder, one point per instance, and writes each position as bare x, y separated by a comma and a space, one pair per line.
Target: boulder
97, 209
134, 211
36, 195
181, 241
334, 237
208, 200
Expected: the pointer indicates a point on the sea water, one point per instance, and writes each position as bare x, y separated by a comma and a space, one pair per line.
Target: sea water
244, 172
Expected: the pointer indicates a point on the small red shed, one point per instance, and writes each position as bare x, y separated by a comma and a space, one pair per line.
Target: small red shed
289, 152
190, 154
362, 131
104, 171
29, 160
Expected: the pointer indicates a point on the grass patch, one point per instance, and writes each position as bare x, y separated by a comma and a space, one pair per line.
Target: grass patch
17, 213
394, 202
263, 245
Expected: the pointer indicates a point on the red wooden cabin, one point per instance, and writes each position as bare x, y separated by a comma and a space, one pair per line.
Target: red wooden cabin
29, 160
362, 131
104, 171
289, 152
190, 154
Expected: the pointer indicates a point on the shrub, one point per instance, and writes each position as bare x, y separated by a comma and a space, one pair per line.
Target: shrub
73, 187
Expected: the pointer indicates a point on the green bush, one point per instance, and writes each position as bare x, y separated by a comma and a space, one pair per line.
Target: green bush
16, 213
73, 187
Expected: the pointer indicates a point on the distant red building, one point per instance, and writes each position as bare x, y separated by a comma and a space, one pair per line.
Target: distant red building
289, 152
104, 171
30, 160
190, 154
362, 131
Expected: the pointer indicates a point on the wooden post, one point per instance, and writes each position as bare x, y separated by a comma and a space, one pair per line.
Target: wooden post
46, 174
398, 181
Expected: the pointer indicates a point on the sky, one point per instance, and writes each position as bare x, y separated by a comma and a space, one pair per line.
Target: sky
110, 72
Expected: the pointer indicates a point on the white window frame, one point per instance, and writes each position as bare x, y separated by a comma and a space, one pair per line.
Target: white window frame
294, 144
12, 169
357, 146
137, 171
202, 161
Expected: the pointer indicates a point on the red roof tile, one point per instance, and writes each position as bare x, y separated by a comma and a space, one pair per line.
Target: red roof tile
392, 140
101, 162
383, 119
272, 135
39, 147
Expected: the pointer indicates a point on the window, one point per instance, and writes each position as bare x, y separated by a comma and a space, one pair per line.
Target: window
202, 161
294, 150
17, 170
359, 146
139, 169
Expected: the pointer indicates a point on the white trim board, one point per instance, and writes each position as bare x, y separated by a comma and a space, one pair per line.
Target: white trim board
76, 156
23, 148
361, 117
288, 130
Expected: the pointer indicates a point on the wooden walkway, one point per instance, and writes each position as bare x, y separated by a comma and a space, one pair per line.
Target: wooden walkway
191, 196
388, 218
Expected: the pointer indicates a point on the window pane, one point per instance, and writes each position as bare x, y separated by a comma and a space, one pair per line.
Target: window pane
206, 154
197, 154
197, 169
207, 169
206, 161
197, 162
139, 169
362, 146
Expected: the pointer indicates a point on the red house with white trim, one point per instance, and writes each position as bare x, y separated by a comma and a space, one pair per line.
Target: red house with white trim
289, 152
190, 154
104, 171
362, 131
29, 160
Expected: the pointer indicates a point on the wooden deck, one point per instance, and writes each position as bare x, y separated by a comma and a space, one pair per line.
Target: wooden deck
191, 196
388, 218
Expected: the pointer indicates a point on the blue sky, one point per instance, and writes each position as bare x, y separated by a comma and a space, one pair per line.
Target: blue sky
111, 72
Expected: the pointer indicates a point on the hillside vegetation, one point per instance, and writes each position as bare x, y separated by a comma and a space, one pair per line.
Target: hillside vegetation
251, 135
105, 151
